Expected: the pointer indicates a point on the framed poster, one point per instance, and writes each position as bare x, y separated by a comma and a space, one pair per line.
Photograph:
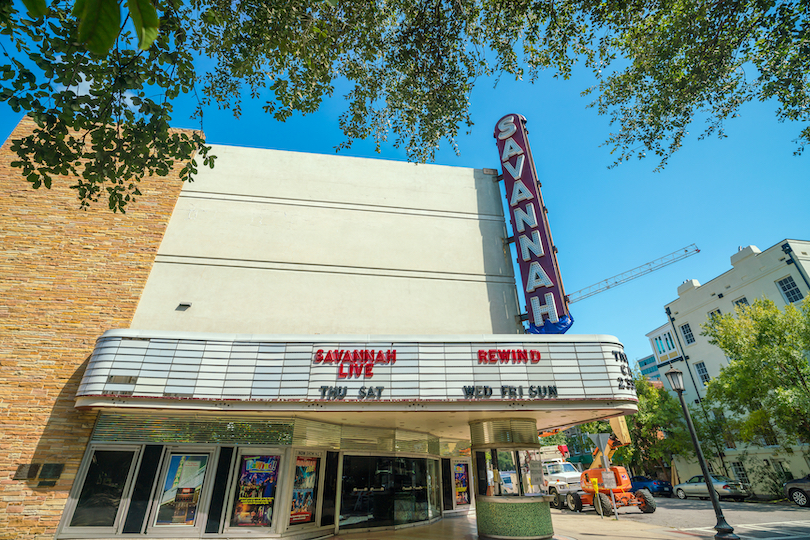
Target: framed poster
462, 480
255, 491
181, 490
305, 489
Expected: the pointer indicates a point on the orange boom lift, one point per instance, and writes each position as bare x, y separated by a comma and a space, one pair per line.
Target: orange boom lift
609, 488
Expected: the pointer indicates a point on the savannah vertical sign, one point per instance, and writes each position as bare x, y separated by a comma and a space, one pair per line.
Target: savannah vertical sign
540, 274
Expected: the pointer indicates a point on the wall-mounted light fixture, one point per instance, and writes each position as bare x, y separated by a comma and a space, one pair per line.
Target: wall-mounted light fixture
183, 306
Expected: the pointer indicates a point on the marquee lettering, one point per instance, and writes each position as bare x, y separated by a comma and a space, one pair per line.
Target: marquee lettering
538, 264
511, 392
506, 356
354, 364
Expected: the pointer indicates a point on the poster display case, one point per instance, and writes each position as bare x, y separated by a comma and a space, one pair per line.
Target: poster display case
461, 483
182, 490
305, 488
254, 489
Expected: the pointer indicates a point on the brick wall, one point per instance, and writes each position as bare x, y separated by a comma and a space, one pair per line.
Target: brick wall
66, 276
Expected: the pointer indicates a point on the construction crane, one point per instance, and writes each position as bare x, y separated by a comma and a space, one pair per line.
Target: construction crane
638, 271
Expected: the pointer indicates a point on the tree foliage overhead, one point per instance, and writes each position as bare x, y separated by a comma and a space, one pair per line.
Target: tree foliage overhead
101, 119
767, 382
410, 67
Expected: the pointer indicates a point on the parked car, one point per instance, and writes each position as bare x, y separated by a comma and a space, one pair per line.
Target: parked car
798, 490
723, 485
656, 487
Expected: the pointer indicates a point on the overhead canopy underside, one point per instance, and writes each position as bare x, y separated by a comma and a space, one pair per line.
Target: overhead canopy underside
448, 420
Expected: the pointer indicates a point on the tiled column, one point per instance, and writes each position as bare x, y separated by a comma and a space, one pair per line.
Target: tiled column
505, 517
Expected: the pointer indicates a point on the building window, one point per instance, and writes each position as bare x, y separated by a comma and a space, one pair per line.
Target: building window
659, 345
739, 471
721, 424
741, 302
700, 367
670, 343
783, 469
715, 313
789, 290
687, 333
769, 436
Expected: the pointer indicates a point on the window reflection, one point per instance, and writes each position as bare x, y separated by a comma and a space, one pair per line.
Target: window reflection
509, 472
531, 471
368, 487
385, 491
182, 488
434, 489
102, 490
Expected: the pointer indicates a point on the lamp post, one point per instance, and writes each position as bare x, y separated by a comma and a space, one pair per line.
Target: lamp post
724, 530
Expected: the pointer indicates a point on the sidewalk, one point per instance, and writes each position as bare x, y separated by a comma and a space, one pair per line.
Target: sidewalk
567, 526
588, 525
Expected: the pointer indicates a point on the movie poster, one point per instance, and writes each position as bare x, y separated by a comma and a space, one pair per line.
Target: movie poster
462, 484
304, 490
181, 490
255, 491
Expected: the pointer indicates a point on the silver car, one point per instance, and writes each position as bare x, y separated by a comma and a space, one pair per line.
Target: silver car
798, 490
723, 485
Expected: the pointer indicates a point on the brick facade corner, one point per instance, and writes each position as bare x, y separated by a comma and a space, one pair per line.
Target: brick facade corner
66, 276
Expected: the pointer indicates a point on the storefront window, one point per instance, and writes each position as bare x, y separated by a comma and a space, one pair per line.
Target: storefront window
305, 490
434, 489
255, 492
103, 488
411, 499
508, 472
531, 471
385, 491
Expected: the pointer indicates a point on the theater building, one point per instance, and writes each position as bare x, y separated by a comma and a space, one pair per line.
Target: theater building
291, 346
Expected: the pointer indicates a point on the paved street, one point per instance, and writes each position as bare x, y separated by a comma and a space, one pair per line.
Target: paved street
695, 518
674, 519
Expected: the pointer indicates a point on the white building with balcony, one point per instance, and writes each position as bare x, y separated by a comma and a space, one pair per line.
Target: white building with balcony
781, 273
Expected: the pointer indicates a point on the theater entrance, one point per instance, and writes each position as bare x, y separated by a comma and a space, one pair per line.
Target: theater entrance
385, 491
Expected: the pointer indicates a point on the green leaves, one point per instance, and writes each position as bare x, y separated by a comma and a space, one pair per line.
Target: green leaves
101, 120
146, 21
36, 8
99, 25
767, 382
657, 430
407, 69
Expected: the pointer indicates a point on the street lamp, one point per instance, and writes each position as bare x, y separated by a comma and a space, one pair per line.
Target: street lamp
724, 530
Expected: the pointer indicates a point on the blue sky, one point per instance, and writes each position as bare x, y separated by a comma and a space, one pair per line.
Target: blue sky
719, 194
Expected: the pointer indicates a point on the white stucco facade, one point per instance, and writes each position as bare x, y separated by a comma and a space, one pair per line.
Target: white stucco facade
293, 243
779, 273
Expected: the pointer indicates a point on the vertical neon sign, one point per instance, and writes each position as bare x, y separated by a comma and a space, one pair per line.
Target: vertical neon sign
537, 257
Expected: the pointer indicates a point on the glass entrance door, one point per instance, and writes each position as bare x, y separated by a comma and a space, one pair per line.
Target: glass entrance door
367, 498
383, 491
410, 481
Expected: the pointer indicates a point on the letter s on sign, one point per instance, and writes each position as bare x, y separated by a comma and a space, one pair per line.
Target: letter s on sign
507, 127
